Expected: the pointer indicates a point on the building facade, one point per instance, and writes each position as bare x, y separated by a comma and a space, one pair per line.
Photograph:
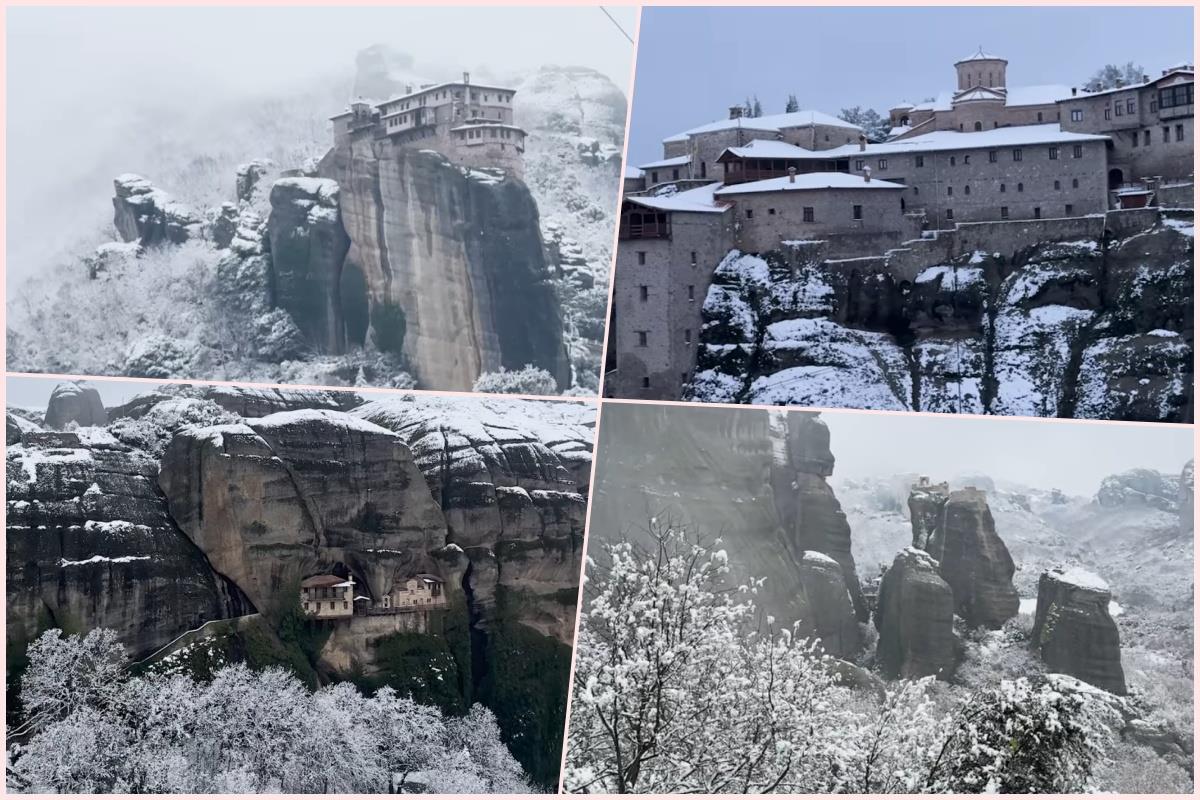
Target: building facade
471, 124
327, 596
419, 592
1150, 126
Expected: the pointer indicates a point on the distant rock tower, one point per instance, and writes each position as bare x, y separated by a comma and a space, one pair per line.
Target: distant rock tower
981, 69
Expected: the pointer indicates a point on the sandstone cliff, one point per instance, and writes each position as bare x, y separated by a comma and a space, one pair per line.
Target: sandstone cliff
915, 619
754, 480
1094, 328
1073, 631
447, 265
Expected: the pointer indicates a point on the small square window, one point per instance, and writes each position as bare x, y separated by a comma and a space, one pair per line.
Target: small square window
1076, 115
967, 159
646, 382
1053, 153
950, 191
1057, 185
642, 338
1077, 151
641, 257
992, 156
1020, 187
1070, 210
858, 212
1074, 183
1037, 212
883, 163
749, 213
770, 212
809, 214
1017, 154
949, 213
1003, 212
920, 161
1002, 188
859, 164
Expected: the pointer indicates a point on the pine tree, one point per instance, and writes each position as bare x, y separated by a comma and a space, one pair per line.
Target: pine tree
793, 104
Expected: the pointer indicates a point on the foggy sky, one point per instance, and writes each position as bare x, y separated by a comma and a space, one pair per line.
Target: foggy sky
693, 63
86, 86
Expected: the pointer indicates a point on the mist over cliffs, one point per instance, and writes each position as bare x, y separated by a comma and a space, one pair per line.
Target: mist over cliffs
187, 521
370, 265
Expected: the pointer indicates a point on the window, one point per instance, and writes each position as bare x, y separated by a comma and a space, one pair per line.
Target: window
770, 212
1131, 106
1076, 115
1074, 183
1070, 210
1179, 133
654, 176
858, 212
1108, 113
978, 125
1118, 109
643, 293
642, 337
1077, 151
749, 213
646, 382
883, 163
693, 258
1037, 212
1020, 187
1002, 188
1039, 116
859, 164
967, 189
949, 191
691, 293
1054, 154
687, 336
920, 161
809, 214
992, 156
1175, 96
916, 190
1017, 154
1003, 212
949, 213
683, 377
1146, 138
641, 257
1057, 185
1153, 104
953, 160
1135, 139
1166, 133
675, 174
703, 169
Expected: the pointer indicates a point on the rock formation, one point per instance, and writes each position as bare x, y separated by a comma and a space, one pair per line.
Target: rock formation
915, 619
273, 500
90, 543
974, 561
1097, 328
149, 216
1139, 487
308, 247
926, 506
1187, 499
446, 265
753, 479
77, 403
1073, 631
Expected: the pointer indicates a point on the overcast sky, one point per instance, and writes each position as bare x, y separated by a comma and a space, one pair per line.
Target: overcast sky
95, 92
1065, 454
693, 63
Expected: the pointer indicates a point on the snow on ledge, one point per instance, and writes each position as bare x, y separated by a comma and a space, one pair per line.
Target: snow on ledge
1078, 576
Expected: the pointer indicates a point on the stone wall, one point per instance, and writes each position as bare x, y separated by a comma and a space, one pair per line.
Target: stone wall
766, 219
676, 274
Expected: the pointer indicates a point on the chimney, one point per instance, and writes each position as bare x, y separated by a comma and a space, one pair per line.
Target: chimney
466, 77
862, 142
1074, 91
791, 174
408, 88
1145, 78
735, 112
867, 174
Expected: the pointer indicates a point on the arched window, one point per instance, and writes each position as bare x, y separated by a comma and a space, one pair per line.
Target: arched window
978, 125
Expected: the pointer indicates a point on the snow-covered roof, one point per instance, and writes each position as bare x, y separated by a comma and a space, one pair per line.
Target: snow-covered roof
1014, 136
700, 200
1182, 70
1039, 95
899, 129
807, 182
980, 55
445, 85
667, 162
902, 105
977, 93
633, 172
772, 122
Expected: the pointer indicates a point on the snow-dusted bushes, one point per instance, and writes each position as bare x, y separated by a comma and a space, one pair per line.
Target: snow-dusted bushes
529, 380
682, 686
97, 729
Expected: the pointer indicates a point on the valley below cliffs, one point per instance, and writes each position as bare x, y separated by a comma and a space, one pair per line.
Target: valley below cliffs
187, 520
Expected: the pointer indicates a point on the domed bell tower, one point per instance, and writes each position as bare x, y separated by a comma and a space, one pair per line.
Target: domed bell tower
981, 69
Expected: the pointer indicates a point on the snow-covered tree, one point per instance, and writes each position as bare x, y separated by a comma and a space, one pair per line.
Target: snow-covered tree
1111, 76
874, 124
94, 728
792, 104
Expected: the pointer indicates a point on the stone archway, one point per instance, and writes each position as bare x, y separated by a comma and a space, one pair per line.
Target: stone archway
1115, 178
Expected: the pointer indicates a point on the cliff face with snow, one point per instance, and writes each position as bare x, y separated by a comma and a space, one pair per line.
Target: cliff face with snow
370, 265
1081, 329
181, 511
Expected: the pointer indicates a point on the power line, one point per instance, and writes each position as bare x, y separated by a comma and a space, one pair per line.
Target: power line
614, 22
